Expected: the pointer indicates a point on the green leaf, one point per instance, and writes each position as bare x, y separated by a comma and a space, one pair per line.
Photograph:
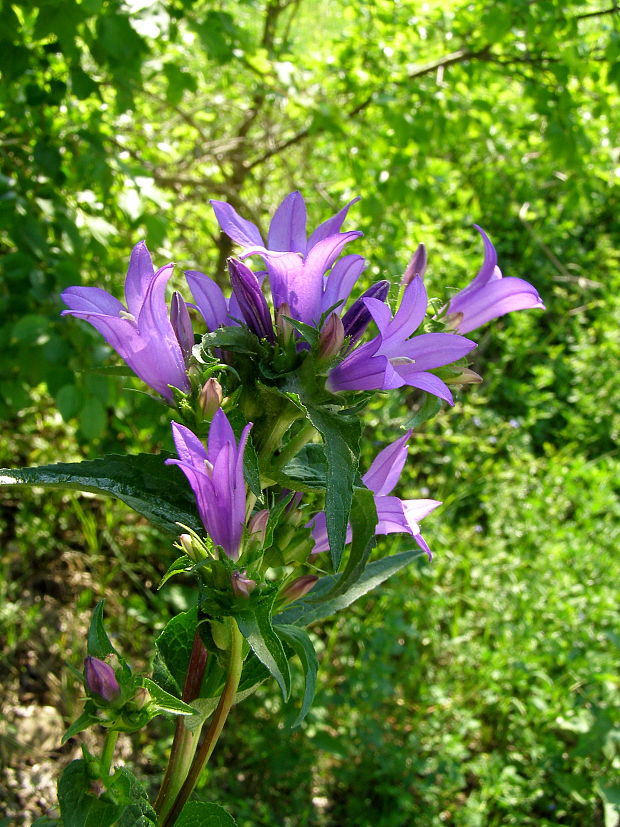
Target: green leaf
300, 641
341, 435
78, 805
236, 339
182, 565
256, 628
174, 648
318, 605
427, 410
203, 814
309, 333
363, 523
99, 644
165, 701
142, 481
87, 719
305, 472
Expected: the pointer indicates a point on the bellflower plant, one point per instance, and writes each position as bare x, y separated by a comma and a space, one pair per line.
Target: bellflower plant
273, 525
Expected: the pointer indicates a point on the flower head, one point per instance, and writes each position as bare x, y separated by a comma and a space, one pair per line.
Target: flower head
216, 477
393, 359
490, 295
297, 265
393, 514
141, 333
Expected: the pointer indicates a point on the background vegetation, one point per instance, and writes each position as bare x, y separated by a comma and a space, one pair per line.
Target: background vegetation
481, 689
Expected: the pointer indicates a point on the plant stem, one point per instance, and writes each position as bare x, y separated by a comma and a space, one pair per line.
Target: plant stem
235, 666
294, 446
107, 753
185, 740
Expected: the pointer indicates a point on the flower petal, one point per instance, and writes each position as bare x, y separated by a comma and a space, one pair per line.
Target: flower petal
425, 381
287, 231
91, 300
432, 350
387, 466
239, 229
331, 226
220, 434
139, 277
340, 282
485, 273
209, 299
189, 448
497, 298
410, 313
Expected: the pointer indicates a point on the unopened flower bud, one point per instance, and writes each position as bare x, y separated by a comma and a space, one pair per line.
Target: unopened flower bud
465, 377
101, 679
357, 318
417, 265
181, 324
210, 397
142, 697
298, 588
257, 526
283, 326
331, 338
242, 586
252, 303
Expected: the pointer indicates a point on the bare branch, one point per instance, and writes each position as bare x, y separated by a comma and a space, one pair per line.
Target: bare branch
611, 10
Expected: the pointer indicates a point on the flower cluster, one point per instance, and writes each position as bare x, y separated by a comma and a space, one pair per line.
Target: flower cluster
305, 346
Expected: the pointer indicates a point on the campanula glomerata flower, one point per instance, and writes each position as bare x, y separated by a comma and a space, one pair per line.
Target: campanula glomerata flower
141, 333
216, 477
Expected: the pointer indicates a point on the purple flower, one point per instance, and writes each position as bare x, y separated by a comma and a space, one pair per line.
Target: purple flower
141, 333
216, 478
253, 305
394, 515
392, 359
489, 295
296, 264
100, 679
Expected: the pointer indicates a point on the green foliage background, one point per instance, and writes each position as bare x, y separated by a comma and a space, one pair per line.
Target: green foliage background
480, 690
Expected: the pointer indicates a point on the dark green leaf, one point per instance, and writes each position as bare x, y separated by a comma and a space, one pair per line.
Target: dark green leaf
341, 435
99, 644
363, 523
305, 472
236, 339
79, 805
174, 647
427, 410
318, 605
257, 630
182, 565
87, 719
153, 489
203, 814
302, 645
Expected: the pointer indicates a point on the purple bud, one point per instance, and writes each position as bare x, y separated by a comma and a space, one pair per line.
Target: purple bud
210, 397
357, 318
242, 586
181, 324
252, 303
331, 338
298, 588
293, 505
101, 679
417, 265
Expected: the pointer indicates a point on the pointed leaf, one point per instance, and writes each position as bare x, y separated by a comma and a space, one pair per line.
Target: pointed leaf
99, 644
182, 565
165, 701
142, 481
87, 719
300, 641
317, 605
256, 628
363, 522
174, 648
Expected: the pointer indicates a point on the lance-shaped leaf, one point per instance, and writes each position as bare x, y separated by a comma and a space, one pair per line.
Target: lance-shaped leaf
341, 435
301, 644
318, 604
257, 629
363, 522
164, 701
142, 481
174, 648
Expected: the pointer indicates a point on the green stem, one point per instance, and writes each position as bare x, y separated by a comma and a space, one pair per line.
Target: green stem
185, 741
294, 446
107, 753
227, 698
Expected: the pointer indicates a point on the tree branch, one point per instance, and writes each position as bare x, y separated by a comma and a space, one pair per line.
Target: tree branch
600, 13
